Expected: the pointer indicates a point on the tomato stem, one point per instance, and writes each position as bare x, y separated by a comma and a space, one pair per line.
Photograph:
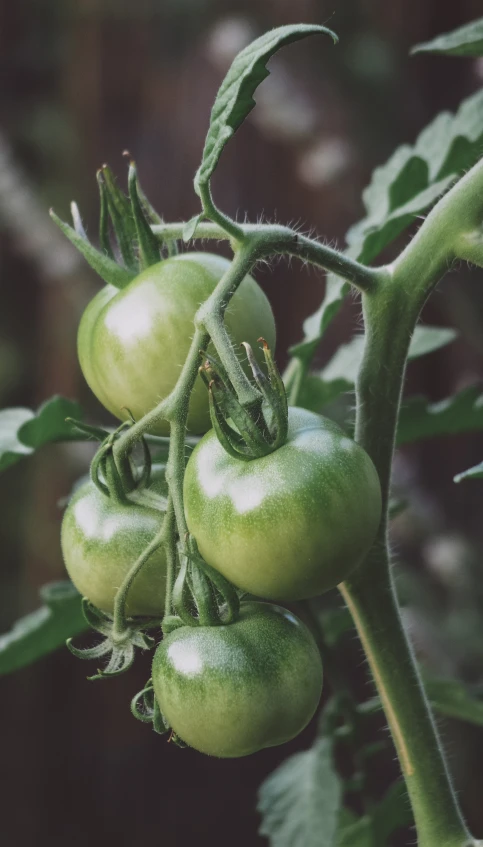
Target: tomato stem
391, 312
282, 240
169, 542
216, 215
120, 627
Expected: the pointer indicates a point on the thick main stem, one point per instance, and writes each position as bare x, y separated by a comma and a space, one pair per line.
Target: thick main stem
390, 316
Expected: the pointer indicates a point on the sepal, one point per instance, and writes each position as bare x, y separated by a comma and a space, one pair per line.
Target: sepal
108, 269
145, 708
95, 432
124, 230
247, 432
148, 246
201, 595
170, 623
104, 237
118, 647
121, 219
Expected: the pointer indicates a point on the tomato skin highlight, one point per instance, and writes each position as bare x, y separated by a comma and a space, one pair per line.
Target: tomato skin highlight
229, 691
292, 524
101, 539
133, 343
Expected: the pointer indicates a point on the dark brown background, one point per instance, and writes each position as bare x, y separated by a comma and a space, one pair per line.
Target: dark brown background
82, 81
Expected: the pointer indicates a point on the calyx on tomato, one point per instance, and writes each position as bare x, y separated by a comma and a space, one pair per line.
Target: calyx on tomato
229, 691
291, 524
260, 429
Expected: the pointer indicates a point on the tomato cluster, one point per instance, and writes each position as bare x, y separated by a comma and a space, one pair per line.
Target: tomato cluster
283, 526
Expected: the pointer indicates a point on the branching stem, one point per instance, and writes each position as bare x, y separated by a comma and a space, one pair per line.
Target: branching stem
217, 216
279, 239
392, 299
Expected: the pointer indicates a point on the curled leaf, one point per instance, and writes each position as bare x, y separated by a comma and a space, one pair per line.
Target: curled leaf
234, 100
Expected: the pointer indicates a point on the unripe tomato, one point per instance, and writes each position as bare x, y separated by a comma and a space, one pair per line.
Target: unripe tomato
101, 538
292, 524
133, 343
231, 690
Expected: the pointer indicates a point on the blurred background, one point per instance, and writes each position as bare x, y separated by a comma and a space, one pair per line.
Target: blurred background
82, 81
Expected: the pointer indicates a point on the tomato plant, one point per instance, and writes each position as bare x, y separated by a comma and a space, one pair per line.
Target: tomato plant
232, 690
276, 500
291, 524
133, 342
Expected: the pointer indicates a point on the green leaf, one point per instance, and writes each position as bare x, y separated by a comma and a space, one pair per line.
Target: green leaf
11, 449
476, 472
392, 813
415, 176
354, 832
49, 423
43, 631
316, 394
452, 698
234, 100
345, 363
190, 226
339, 374
300, 801
401, 190
23, 431
335, 624
400, 219
427, 339
316, 324
467, 40
463, 412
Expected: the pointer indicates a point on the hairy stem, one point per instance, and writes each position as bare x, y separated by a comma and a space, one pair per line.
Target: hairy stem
323, 256
279, 239
391, 311
175, 473
169, 543
390, 317
216, 215
174, 231
120, 627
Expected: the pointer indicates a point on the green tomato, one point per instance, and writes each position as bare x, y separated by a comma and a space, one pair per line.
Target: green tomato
133, 343
292, 524
231, 690
102, 538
